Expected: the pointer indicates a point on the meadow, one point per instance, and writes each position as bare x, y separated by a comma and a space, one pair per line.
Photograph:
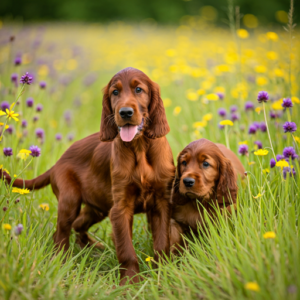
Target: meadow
207, 75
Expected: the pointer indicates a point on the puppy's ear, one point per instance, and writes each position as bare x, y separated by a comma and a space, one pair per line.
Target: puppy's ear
227, 185
108, 127
158, 126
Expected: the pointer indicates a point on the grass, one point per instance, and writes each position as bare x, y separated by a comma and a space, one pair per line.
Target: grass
198, 59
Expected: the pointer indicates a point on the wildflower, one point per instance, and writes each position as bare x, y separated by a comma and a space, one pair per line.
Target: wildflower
243, 149
249, 106
242, 33
58, 137
207, 117
20, 191
243, 142
39, 133
297, 139
18, 229
272, 163
29, 102
256, 124
258, 144
24, 123
43, 84
220, 95
6, 226
177, 110
199, 124
289, 152
222, 112
287, 102
7, 151
266, 171
252, 286
273, 115
221, 126
261, 152
277, 105
23, 154
44, 206
258, 196
4, 208
233, 108
279, 157
282, 164
26, 79
4, 106
289, 127
148, 259
10, 114
258, 109
212, 97
263, 127
10, 129
226, 122
272, 36
35, 119
39, 107
35, 151
288, 170
234, 117
192, 96
262, 96
252, 129
295, 100
70, 137
14, 78
18, 61
269, 235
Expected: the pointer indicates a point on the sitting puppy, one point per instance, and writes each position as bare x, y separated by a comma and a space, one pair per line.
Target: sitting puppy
206, 172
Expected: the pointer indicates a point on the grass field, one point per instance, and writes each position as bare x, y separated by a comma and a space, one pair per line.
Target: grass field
200, 69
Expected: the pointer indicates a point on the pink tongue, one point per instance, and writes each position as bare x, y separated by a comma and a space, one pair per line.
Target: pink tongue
128, 132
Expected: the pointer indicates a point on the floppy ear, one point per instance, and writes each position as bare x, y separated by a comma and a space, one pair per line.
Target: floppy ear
108, 127
227, 186
158, 126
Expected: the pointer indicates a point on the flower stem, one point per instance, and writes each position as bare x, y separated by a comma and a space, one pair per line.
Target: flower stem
268, 130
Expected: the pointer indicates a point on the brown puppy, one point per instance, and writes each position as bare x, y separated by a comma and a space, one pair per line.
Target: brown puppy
129, 171
206, 172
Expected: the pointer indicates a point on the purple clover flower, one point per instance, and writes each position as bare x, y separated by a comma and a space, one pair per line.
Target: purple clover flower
10, 129
14, 78
233, 108
221, 126
272, 163
18, 61
39, 107
40, 133
289, 152
70, 137
256, 124
234, 117
249, 106
222, 112
4, 105
263, 127
24, 123
288, 170
7, 151
243, 149
43, 84
289, 127
68, 116
287, 102
252, 129
220, 95
258, 144
18, 229
35, 151
262, 96
29, 102
35, 119
273, 115
58, 137
279, 157
26, 79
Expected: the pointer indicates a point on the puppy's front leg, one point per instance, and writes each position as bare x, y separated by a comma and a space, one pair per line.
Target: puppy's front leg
121, 216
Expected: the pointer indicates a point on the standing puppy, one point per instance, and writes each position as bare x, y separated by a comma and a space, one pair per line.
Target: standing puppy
128, 170
206, 172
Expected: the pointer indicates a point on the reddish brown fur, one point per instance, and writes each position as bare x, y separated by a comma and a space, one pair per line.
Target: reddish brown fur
116, 178
216, 184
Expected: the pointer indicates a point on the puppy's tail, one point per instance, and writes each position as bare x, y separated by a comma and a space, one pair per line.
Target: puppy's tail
36, 183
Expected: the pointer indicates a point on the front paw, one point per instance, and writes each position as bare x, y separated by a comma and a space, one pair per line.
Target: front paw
130, 276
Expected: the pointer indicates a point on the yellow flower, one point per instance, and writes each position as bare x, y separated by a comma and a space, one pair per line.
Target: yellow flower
258, 195
201, 92
242, 33
258, 109
272, 36
177, 110
252, 286
171, 52
199, 124
1, 168
167, 102
261, 81
192, 96
20, 191
207, 117
282, 164
226, 122
261, 152
212, 97
1, 124
148, 259
297, 139
23, 154
44, 206
269, 235
251, 163
260, 69
272, 55
277, 105
6, 226
266, 171
10, 114
295, 100
243, 143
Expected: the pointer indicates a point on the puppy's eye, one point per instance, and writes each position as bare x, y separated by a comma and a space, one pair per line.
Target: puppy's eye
116, 92
205, 164
184, 163
138, 90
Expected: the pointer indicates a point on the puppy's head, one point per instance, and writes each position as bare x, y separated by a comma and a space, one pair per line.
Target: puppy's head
132, 106
204, 173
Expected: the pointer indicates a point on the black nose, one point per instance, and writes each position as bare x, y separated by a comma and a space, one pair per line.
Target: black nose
188, 182
126, 112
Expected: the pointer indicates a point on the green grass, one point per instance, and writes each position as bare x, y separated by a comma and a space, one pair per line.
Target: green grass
217, 265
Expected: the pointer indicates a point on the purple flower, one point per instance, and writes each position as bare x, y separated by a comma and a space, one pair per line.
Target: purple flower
221, 126
252, 129
273, 115
233, 108
288, 170
18, 61
259, 144
43, 84
262, 96
7, 151
234, 117
243, 149
35, 151
68, 116
279, 157
249, 106
10, 129
289, 127
256, 124
29, 102
263, 127
4, 105
26, 79
58, 137
39, 133
24, 123
289, 152
14, 78
35, 119
287, 102
220, 95
39, 107
272, 163
18, 229
222, 112
70, 137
